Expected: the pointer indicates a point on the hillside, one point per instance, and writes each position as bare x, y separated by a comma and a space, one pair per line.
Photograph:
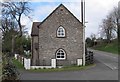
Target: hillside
111, 47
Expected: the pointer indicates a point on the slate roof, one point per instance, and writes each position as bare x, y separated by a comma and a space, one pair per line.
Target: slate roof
35, 30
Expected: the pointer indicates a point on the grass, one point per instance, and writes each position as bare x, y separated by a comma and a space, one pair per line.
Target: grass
111, 47
18, 64
68, 68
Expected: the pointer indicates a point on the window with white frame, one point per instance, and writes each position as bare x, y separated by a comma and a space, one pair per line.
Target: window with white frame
60, 54
60, 32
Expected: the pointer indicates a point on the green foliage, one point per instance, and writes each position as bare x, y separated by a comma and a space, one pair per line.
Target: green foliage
89, 42
28, 44
18, 64
22, 43
11, 29
10, 72
18, 45
108, 47
11, 26
7, 40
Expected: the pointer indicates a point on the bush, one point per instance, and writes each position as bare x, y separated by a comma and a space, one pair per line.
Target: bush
35, 68
10, 72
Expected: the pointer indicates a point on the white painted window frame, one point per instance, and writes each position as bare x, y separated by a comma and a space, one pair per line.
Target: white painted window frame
63, 52
61, 31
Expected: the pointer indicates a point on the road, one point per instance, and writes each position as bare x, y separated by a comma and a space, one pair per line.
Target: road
108, 59
106, 69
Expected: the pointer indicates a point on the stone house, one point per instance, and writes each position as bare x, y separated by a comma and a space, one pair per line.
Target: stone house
59, 37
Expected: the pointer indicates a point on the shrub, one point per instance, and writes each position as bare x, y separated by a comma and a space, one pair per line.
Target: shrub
35, 68
10, 72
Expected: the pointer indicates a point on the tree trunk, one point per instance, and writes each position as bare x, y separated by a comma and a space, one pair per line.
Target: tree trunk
20, 26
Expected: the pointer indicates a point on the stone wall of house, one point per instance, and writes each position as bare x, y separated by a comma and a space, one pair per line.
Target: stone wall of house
34, 58
49, 43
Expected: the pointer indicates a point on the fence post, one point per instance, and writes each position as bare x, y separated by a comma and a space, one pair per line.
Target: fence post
27, 63
16, 56
79, 62
22, 60
53, 63
89, 58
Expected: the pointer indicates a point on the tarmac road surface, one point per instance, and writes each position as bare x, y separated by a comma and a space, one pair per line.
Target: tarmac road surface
106, 69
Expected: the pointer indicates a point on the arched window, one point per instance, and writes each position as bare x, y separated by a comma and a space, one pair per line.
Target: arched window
60, 32
60, 54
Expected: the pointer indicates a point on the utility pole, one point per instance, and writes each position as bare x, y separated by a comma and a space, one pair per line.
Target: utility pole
0, 41
119, 27
0, 45
83, 24
119, 19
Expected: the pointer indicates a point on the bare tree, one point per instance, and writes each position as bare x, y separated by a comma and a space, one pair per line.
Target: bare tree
115, 19
7, 24
14, 10
106, 28
110, 25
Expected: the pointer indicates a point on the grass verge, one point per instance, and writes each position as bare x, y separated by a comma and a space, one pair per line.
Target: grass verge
18, 64
68, 68
111, 48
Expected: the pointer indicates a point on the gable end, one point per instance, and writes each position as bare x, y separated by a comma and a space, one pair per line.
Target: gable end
54, 11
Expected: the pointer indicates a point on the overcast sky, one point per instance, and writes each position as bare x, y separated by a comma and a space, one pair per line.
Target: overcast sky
96, 10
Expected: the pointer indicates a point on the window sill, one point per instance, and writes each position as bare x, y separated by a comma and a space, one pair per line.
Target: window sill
60, 58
